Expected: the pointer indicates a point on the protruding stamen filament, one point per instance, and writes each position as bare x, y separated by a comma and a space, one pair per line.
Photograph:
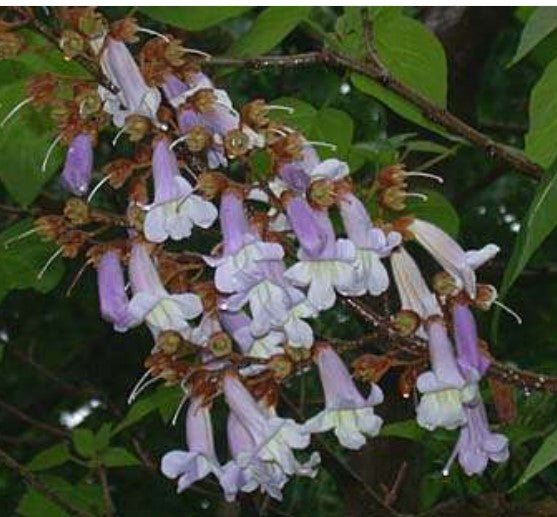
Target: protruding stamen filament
276, 107
417, 195
508, 310
49, 152
183, 401
280, 132
77, 277
178, 140
26, 233
118, 135
185, 198
97, 188
198, 52
14, 110
330, 146
141, 385
447, 468
419, 174
52, 258
153, 33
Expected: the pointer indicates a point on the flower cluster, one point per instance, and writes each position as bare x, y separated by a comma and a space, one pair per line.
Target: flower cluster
229, 272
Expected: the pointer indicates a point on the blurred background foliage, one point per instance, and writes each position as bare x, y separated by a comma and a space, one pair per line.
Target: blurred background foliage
65, 375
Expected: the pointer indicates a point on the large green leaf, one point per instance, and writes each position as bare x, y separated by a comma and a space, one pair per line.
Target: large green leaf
269, 29
545, 456
541, 23
118, 457
52, 457
194, 18
326, 125
84, 442
26, 137
416, 58
437, 210
538, 223
541, 139
22, 260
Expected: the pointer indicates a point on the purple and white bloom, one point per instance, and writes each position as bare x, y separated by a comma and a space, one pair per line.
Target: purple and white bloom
237, 324
298, 332
134, 96
243, 251
176, 209
303, 221
244, 472
444, 390
450, 255
200, 459
371, 245
78, 167
331, 269
113, 299
152, 303
469, 357
412, 289
178, 92
476, 444
274, 437
347, 412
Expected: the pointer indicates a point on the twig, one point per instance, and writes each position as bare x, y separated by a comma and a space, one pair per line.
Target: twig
54, 431
374, 70
110, 511
39, 486
392, 494
417, 347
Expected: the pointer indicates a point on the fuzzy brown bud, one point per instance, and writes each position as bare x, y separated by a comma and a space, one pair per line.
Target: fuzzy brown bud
77, 211
11, 45
71, 43
322, 193
236, 143
406, 322
220, 344
444, 284
281, 366
211, 184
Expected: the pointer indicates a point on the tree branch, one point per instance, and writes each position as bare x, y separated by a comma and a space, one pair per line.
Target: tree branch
39, 486
54, 431
374, 69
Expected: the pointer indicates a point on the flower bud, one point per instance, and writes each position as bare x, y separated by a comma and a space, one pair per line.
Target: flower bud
77, 211
197, 139
71, 43
298, 354
322, 193
11, 45
220, 344
391, 176
119, 171
236, 143
137, 127
406, 322
204, 100
485, 296
444, 284
211, 184
371, 368
92, 23
136, 217
170, 342
393, 198
254, 114
281, 366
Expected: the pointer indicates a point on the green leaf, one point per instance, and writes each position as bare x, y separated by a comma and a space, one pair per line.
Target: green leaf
118, 457
541, 140
25, 138
408, 429
22, 260
84, 442
194, 18
437, 210
426, 146
268, 30
160, 399
416, 58
52, 457
538, 223
541, 23
327, 125
102, 438
545, 456
260, 162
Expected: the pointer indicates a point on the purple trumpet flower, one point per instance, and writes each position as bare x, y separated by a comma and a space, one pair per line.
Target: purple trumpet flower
471, 361
243, 250
304, 223
237, 324
112, 292
444, 390
371, 245
333, 268
274, 437
346, 411
78, 166
459, 263
152, 303
244, 472
200, 459
134, 96
476, 444
176, 209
